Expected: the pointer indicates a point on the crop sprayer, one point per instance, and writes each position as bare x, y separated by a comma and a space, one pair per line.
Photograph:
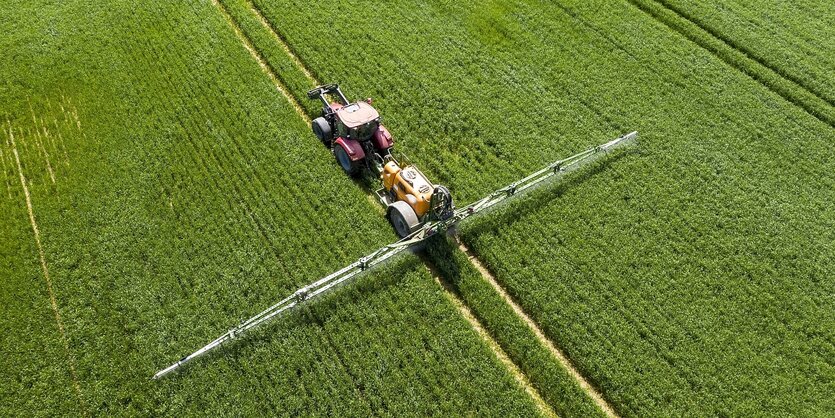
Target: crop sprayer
416, 208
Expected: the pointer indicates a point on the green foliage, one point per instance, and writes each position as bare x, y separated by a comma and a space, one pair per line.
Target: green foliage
34, 362
776, 77
265, 41
185, 194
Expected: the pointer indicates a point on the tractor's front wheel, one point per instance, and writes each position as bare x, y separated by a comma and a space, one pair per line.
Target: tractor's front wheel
350, 167
322, 130
403, 218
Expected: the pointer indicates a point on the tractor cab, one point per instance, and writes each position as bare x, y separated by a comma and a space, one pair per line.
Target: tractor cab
358, 121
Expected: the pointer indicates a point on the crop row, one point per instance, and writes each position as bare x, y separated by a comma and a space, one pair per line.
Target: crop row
673, 276
196, 197
557, 387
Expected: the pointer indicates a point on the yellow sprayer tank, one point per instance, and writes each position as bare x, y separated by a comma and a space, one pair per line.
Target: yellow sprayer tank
409, 185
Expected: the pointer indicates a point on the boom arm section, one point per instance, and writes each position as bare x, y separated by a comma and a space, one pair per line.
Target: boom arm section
301, 295
354, 269
555, 169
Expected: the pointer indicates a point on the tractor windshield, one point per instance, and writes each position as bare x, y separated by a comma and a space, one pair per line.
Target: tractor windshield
365, 131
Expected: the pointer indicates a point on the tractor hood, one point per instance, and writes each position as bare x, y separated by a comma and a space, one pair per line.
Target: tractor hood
356, 114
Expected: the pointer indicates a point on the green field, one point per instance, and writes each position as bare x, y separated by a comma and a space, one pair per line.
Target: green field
159, 188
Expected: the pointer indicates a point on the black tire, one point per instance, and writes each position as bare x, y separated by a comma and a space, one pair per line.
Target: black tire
322, 130
350, 168
403, 218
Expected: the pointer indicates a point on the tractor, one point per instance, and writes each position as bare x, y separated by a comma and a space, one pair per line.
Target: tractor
353, 132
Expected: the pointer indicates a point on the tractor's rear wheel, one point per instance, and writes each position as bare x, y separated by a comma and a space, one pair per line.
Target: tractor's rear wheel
322, 130
403, 218
350, 167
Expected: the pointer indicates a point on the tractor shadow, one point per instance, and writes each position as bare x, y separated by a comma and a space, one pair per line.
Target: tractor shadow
441, 254
368, 183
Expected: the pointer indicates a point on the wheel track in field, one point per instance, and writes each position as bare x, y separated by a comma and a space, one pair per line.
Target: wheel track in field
464, 310
45, 271
449, 291
269, 71
745, 50
739, 58
595, 394
283, 43
247, 43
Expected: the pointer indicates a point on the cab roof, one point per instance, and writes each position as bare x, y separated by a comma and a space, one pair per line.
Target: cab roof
356, 114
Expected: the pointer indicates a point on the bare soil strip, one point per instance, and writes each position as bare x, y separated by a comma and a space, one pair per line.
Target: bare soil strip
53, 302
555, 351
494, 346
261, 62
284, 45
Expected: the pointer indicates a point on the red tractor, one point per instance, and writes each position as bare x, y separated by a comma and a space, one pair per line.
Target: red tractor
352, 130
354, 133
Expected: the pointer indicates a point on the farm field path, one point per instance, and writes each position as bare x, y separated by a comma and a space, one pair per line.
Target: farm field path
260, 60
464, 310
555, 351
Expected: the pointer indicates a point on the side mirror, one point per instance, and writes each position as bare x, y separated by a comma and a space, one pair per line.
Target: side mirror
368, 100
